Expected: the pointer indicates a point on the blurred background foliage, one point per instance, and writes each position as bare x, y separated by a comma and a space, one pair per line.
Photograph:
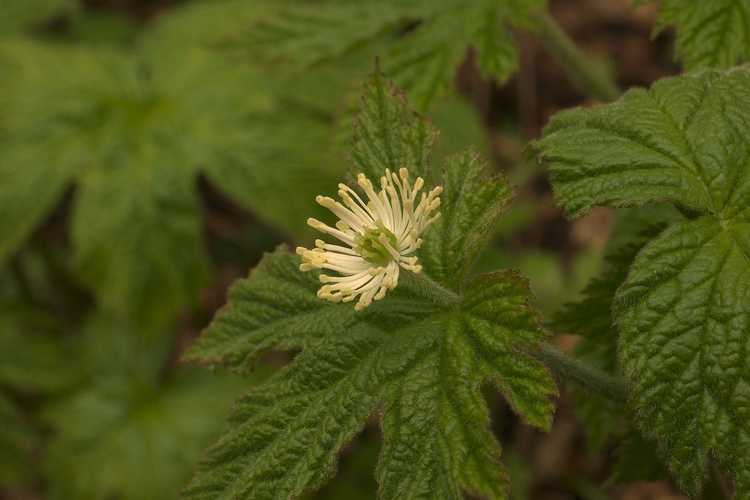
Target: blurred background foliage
152, 150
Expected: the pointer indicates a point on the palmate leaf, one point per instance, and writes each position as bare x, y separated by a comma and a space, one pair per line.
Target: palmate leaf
133, 133
421, 42
417, 359
388, 134
130, 441
130, 431
683, 311
471, 203
711, 34
427, 374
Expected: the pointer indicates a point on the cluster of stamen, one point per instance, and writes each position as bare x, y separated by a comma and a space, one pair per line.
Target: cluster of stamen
380, 237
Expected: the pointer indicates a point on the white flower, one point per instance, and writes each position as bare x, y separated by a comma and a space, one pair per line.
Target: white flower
380, 236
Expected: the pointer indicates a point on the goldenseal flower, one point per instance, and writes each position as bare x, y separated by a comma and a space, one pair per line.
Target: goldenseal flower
381, 237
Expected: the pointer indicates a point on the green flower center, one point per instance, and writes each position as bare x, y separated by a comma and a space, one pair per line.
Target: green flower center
368, 245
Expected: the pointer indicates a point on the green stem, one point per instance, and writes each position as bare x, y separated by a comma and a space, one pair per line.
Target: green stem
569, 369
565, 367
590, 77
423, 286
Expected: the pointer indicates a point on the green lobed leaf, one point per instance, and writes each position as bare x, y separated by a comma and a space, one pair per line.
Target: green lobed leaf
133, 132
709, 34
421, 42
388, 134
285, 435
418, 359
424, 62
472, 203
683, 315
162, 203
497, 56
204, 23
278, 312
129, 441
130, 432
352, 363
310, 33
683, 311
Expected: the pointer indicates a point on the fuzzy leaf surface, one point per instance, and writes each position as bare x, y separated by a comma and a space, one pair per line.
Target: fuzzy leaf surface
422, 60
683, 311
423, 364
709, 34
417, 359
388, 134
472, 202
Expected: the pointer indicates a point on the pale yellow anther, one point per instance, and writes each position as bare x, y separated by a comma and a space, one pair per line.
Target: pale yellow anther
380, 236
314, 223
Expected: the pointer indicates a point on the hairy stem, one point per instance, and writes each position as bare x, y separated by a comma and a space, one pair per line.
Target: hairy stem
590, 77
423, 286
565, 367
569, 369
